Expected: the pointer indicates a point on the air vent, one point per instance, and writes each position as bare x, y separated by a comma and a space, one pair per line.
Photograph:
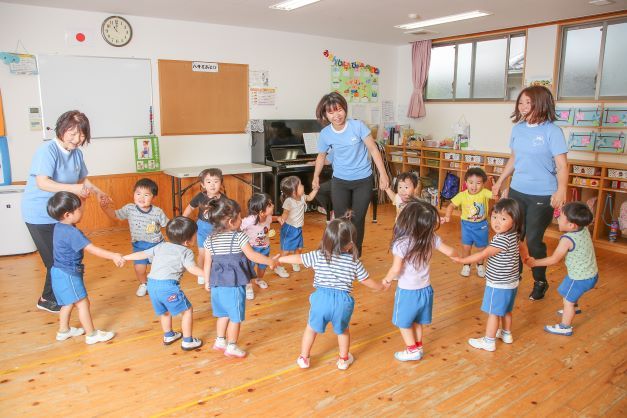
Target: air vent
420, 31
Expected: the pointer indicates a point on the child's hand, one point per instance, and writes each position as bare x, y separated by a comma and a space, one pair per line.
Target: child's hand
386, 284
119, 260
281, 220
207, 285
456, 259
444, 219
530, 261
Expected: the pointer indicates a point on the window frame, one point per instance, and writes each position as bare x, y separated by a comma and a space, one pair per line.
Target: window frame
473, 41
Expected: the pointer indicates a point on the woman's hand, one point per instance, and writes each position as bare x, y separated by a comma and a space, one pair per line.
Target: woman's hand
496, 188
315, 183
558, 198
104, 199
384, 181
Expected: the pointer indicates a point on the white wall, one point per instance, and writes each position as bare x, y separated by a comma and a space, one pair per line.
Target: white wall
296, 64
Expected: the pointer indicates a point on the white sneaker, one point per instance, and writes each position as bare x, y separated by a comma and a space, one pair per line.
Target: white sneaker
169, 340
557, 329
99, 337
465, 270
345, 364
141, 290
232, 350
281, 272
72, 332
191, 345
261, 283
480, 270
561, 312
482, 344
296, 267
303, 362
250, 293
407, 355
201, 280
506, 338
219, 344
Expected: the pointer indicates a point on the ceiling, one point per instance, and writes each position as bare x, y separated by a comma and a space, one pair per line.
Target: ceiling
360, 20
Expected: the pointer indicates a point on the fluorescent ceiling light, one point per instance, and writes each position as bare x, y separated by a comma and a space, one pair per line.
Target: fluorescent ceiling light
292, 4
445, 19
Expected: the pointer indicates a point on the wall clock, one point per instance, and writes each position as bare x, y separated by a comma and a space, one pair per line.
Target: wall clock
116, 31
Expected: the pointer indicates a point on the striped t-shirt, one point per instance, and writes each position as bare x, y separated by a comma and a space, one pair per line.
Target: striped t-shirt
502, 269
220, 243
338, 274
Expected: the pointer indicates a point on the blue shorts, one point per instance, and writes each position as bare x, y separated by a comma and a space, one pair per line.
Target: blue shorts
229, 301
291, 238
167, 296
498, 301
204, 230
475, 233
572, 290
67, 288
412, 306
141, 246
261, 250
330, 305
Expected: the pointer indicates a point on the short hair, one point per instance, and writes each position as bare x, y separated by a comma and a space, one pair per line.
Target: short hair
61, 203
331, 101
213, 172
289, 185
258, 203
512, 208
578, 213
180, 229
338, 235
70, 120
148, 184
413, 177
220, 212
476, 171
542, 105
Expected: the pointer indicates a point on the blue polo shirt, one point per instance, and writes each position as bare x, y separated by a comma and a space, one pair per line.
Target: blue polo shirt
535, 147
350, 155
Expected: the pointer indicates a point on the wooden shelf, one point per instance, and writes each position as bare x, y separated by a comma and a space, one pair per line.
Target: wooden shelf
584, 175
608, 189
584, 186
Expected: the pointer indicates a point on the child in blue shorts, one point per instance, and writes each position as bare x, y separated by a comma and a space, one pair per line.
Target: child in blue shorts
67, 271
412, 245
581, 264
336, 265
502, 273
293, 217
169, 262
474, 203
145, 222
228, 271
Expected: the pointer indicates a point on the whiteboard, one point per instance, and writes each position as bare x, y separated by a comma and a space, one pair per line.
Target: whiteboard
114, 93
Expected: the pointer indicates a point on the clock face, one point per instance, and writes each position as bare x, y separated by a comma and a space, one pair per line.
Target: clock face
116, 31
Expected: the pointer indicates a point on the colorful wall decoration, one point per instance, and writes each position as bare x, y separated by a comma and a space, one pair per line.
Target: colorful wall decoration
356, 81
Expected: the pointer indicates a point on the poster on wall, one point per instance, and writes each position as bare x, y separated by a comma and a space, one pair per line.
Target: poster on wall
262, 96
356, 81
147, 154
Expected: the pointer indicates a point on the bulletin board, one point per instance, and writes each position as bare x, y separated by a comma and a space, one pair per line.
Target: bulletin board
195, 101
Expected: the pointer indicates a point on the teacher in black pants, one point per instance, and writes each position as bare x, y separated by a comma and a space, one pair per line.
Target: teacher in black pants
352, 144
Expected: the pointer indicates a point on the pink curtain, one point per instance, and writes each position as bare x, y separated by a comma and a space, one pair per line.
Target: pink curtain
420, 57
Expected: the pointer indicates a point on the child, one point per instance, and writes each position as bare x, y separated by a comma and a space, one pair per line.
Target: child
336, 265
293, 217
67, 271
576, 246
257, 226
170, 260
145, 222
407, 186
502, 274
474, 202
210, 181
412, 245
228, 271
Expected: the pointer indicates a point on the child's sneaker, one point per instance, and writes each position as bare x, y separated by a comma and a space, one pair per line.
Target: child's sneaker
480, 270
219, 344
250, 293
261, 283
174, 337
141, 290
99, 337
303, 362
559, 329
345, 364
482, 344
465, 270
506, 337
201, 280
407, 355
191, 345
296, 268
232, 350
72, 332
561, 312
281, 272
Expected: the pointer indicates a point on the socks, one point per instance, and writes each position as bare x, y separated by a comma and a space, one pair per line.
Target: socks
344, 358
188, 339
489, 340
562, 326
505, 332
169, 334
419, 344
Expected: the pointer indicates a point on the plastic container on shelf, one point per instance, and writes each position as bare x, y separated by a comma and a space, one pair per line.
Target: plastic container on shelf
17, 238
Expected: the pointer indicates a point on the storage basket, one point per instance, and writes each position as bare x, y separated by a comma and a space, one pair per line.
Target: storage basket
433, 163
496, 160
432, 154
590, 171
619, 184
454, 165
452, 156
617, 174
413, 160
473, 158
431, 143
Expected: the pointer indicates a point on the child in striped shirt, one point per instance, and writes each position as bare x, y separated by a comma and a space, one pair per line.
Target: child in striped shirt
336, 265
502, 273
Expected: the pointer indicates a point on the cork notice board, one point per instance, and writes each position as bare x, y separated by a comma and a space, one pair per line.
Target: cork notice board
196, 102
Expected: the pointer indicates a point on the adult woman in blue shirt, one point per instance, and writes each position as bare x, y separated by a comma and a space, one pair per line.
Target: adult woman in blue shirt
58, 165
540, 173
350, 139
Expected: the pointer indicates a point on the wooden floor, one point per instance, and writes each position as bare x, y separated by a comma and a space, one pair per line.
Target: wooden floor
135, 375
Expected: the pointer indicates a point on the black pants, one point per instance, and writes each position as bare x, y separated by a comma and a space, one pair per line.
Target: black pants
538, 214
42, 236
355, 195
323, 197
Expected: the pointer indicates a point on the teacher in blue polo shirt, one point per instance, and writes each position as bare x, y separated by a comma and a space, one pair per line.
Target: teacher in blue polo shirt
352, 182
57, 166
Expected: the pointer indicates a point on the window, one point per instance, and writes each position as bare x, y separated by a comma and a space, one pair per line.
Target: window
593, 61
477, 70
